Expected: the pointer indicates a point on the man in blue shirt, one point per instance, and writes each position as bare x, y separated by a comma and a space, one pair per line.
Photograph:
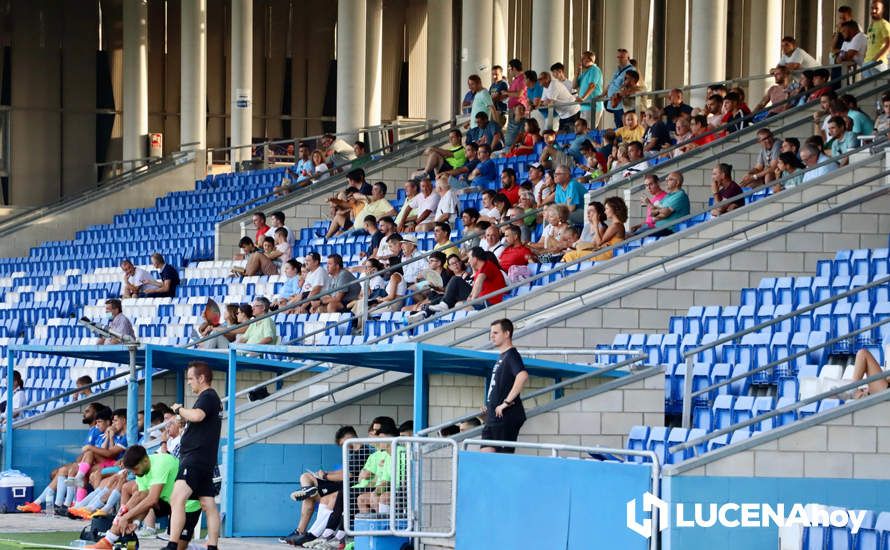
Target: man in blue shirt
617, 82
303, 167
486, 132
672, 207
590, 85
482, 102
581, 129
569, 192
498, 88
533, 92
486, 172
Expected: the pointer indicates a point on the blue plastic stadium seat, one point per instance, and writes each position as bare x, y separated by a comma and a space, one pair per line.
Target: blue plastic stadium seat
676, 437
722, 411
657, 439
638, 440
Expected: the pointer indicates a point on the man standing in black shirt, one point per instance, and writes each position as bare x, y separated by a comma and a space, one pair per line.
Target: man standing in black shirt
197, 455
504, 414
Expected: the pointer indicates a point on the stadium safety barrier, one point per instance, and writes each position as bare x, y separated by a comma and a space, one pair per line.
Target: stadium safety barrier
418, 493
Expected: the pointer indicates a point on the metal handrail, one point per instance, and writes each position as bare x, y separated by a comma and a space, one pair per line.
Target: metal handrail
751, 128
681, 255
792, 357
545, 390
775, 412
760, 326
431, 131
524, 282
16, 220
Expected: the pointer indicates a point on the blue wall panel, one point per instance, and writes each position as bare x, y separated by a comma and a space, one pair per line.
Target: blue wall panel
868, 494
38, 452
265, 475
539, 502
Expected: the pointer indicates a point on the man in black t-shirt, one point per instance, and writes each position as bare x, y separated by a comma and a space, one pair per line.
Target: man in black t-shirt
504, 414
169, 278
198, 451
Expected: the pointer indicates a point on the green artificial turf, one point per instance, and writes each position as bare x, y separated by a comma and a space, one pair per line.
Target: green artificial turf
9, 541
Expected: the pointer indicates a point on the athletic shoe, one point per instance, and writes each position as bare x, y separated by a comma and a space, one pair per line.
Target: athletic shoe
440, 307
79, 513
146, 532
294, 533
100, 513
332, 544
61, 510
103, 544
304, 493
299, 539
29, 508
317, 543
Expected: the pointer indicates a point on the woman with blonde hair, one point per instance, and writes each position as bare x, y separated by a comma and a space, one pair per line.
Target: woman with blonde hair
604, 235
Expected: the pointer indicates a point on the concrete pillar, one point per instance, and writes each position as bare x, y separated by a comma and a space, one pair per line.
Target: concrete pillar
764, 43
548, 30
351, 43
618, 32
193, 79
374, 62
135, 58
440, 62
242, 78
707, 24
475, 51
499, 33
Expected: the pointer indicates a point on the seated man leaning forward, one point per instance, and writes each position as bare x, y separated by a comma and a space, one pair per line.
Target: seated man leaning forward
155, 476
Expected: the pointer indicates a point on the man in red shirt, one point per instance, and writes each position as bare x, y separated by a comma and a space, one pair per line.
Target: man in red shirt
699, 126
259, 222
514, 253
487, 278
509, 187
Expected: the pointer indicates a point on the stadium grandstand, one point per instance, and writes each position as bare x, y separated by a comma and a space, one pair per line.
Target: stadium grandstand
420, 273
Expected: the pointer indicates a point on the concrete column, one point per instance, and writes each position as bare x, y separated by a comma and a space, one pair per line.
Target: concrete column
242, 78
764, 43
135, 58
708, 41
548, 32
440, 62
374, 62
618, 32
499, 33
475, 51
193, 79
351, 43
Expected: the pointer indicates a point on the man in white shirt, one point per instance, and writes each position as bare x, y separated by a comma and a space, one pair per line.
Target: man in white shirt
811, 156
448, 205
855, 43
316, 280
136, 279
566, 108
276, 220
425, 204
794, 58
409, 251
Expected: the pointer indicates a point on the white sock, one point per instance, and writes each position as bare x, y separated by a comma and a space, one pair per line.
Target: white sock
321, 520
340, 535
327, 533
112, 538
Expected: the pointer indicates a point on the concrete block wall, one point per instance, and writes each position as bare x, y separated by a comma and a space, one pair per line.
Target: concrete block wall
65, 224
853, 446
602, 420
718, 282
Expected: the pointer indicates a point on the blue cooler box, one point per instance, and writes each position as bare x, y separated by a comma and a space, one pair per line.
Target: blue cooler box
372, 522
15, 489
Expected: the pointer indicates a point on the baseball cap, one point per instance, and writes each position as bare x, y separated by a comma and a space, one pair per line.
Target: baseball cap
409, 239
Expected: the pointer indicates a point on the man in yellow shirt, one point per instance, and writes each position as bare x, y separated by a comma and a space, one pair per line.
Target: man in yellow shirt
878, 38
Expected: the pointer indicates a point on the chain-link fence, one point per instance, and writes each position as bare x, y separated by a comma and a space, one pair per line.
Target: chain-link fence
405, 486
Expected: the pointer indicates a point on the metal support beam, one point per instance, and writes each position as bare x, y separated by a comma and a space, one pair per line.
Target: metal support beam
229, 485
133, 399
149, 373
421, 390
7, 440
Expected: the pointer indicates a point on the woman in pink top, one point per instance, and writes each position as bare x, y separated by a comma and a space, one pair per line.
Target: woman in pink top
654, 193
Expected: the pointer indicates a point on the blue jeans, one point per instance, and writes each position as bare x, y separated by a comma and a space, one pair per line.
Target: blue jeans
619, 118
